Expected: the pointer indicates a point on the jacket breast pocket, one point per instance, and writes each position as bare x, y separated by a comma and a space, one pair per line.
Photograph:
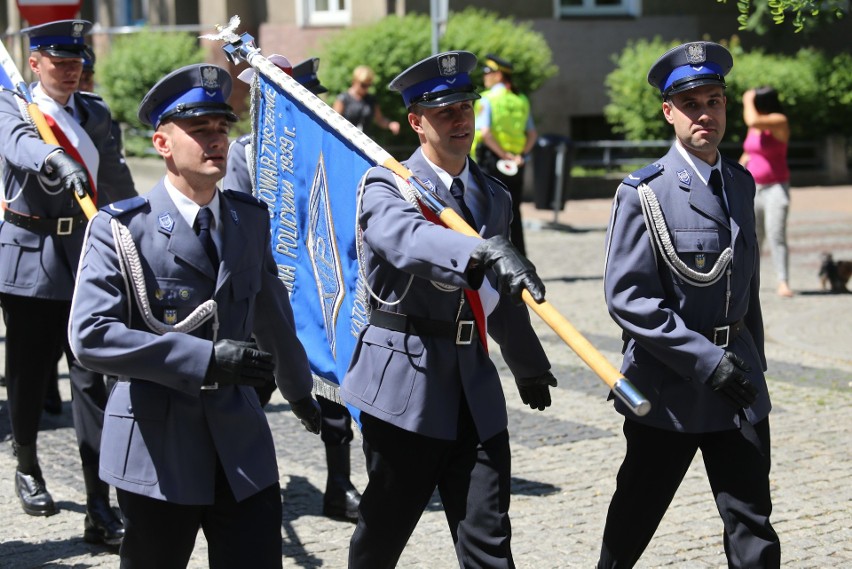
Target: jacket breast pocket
172, 300
698, 248
393, 366
15, 247
134, 431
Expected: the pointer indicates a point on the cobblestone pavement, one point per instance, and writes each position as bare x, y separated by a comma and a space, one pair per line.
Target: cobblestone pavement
565, 459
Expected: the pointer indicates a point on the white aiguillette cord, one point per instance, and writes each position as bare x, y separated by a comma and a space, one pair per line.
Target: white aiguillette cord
662, 241
134, 279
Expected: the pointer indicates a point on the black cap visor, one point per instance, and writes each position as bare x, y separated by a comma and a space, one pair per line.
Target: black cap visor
59, 50
446, 97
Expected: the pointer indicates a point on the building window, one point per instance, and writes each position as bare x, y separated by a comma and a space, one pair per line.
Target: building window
598, 7
326, 12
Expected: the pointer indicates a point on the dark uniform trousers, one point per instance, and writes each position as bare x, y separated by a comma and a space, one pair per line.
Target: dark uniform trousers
29, 366
472, 477
254, 524
487, 160
737, 463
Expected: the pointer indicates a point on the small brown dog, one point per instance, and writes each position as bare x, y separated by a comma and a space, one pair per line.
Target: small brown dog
834, 274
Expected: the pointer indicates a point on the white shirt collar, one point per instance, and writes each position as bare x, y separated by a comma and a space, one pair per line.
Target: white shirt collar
446, 178
702, 168
188, 209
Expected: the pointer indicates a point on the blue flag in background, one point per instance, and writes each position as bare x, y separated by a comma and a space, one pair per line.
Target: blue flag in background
308, 176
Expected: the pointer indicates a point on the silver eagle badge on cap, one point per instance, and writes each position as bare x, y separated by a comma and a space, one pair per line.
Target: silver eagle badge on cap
449, 64
695, 53
210, 78
77, 30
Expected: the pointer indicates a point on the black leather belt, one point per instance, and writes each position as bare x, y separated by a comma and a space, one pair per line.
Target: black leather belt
59, 226
462, 332
723, 336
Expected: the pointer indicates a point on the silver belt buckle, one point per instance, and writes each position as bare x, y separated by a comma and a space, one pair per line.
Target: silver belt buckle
722, 335
464, 332
211, 387
64, 225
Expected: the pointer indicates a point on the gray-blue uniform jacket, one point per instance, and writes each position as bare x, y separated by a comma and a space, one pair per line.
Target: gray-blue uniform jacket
35, 264
667, 356
162, 433
417, 382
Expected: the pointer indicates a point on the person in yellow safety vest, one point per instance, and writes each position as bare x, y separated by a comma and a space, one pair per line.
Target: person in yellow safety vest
505, 133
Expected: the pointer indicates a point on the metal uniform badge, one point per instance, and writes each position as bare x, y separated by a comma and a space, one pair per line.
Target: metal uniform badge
684, 177
695, 53
77, 30
235, 217
170, 316
700, 260
210, 78
448, 65
166, 222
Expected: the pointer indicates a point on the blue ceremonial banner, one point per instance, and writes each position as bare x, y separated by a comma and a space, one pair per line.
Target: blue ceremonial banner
308, 176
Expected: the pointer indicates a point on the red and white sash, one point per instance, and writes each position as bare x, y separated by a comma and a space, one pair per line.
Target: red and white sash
70, 134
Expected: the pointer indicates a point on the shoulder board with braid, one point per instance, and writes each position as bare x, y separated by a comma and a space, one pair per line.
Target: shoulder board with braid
124, 206
642, 175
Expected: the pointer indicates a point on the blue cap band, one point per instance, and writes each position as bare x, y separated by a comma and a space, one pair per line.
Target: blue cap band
434, 85
684, 71
194, 95
39, 41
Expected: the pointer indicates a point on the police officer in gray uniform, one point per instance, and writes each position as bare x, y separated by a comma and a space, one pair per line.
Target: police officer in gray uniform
40, 244
432, 407
170, 291
682, 280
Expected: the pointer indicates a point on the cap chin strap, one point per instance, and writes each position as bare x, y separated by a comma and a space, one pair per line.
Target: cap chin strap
188, 108
678, 85
429, 97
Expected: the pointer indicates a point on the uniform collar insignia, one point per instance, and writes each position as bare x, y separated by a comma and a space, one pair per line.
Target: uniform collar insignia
235, 217
684, 177
166, 222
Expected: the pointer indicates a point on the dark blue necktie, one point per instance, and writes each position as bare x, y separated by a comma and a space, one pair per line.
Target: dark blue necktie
203, 223
457, 191
718, 189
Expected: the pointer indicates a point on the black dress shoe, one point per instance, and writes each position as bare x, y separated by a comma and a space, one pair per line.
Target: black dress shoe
341, 505
102, 523
35, 498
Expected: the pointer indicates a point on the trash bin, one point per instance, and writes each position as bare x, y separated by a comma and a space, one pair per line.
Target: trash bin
552, 157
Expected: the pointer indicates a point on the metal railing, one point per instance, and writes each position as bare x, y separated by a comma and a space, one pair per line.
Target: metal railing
613, 154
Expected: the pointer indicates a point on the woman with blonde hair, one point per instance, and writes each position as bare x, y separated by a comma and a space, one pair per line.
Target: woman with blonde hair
359, 107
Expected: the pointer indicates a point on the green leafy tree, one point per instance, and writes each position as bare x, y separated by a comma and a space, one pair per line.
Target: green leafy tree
634, 109
805, 14
394, 43
135, 62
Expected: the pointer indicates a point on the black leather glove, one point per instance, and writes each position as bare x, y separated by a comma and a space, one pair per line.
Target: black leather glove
239, 363
729, 381
535, 391
69, 172
514, 271
308, 411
